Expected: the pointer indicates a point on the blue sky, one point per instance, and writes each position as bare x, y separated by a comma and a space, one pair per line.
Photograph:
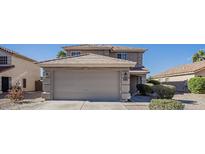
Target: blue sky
159, 57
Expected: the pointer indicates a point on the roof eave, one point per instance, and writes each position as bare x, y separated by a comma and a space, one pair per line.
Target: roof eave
139, 72
77, 48
199, 70
89, 65
171, 75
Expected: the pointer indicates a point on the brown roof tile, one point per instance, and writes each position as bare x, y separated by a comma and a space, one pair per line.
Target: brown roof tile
88, 60
183, 69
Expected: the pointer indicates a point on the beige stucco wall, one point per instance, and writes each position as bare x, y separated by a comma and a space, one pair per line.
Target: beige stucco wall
132, 56
23, 70
48, 81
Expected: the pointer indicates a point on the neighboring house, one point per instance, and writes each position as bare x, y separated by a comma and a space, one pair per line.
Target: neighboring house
94, 72
17, 69
178, 76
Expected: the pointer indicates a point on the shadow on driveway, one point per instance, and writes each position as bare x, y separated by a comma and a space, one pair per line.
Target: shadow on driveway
141, 99
187, 101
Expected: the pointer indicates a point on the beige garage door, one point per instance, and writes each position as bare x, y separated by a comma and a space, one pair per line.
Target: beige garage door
87, 85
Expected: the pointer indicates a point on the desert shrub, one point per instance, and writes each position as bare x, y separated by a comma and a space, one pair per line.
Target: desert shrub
197, 85
154, 82
15, 94
165, 104
164, 91
144, 89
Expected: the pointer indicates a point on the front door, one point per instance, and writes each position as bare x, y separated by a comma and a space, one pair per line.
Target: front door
5, 84
134, 81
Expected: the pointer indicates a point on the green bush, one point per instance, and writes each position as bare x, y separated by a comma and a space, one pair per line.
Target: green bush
145, 89
165, 104
164, 91
154, 82
197, 85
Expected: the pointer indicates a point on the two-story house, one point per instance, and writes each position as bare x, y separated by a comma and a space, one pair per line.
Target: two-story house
94, 72
17, 69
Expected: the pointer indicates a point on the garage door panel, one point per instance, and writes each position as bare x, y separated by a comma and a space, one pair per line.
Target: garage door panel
86, 85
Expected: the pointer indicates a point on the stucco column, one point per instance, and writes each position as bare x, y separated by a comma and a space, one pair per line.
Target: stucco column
47, 84
125, 85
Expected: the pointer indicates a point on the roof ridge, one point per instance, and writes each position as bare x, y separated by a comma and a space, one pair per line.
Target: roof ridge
6, 49
54, 59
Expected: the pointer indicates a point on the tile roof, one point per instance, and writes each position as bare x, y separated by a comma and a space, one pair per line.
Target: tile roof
88, 60
183, 69
103, 47
16, 54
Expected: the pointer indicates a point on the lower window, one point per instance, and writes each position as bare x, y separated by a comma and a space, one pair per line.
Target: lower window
24, 83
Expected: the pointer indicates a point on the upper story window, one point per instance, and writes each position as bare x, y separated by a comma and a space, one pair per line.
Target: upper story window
75, 53
122, 55
3, 60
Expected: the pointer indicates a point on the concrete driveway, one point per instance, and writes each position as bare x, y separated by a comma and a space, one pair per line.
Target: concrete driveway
86, 105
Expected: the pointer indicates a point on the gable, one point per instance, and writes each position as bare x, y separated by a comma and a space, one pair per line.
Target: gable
13, 53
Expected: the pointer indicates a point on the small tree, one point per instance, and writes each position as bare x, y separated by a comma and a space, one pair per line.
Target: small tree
199, 56
15, 94
61, 54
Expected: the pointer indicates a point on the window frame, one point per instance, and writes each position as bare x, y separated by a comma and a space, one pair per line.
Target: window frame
3, 60
75, 53
122, 55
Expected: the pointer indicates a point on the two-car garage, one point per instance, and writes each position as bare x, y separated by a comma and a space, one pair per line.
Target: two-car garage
88, 77
87, 85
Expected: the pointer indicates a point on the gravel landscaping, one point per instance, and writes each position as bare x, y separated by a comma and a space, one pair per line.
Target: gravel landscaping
31, 100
